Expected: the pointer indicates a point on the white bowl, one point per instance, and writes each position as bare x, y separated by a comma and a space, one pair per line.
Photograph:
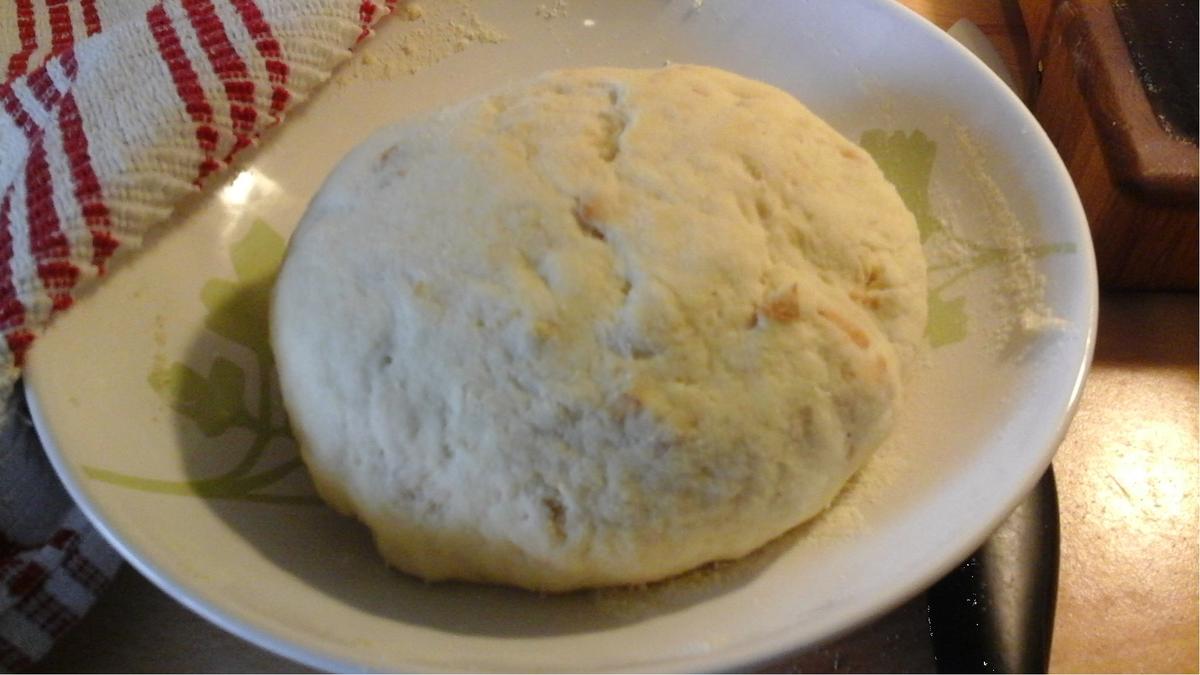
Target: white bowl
253, 552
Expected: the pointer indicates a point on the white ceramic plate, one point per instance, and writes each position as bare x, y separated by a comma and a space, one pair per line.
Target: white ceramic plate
155, 401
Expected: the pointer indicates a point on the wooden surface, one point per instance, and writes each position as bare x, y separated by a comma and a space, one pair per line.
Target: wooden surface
1127, 478
1136, 181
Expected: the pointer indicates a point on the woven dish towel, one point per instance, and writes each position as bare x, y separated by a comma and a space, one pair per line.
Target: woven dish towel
110, 113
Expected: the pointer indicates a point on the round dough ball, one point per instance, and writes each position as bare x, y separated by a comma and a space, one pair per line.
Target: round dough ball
598, 328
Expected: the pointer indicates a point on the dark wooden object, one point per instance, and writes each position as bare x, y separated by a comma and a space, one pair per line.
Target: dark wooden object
1136, 175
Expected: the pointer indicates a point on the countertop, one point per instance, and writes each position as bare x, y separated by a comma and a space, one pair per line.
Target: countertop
1128, 475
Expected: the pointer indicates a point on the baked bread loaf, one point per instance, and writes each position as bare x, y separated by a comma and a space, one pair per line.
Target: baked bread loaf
598, 328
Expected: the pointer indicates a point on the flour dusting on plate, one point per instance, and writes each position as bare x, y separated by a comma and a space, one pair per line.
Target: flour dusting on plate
419, 36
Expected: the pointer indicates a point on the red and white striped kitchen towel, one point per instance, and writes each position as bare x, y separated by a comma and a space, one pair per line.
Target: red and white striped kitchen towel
110, 113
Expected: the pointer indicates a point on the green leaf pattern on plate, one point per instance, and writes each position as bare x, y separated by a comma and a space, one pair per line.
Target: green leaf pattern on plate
947, 320
907, 159
238, 310
215, 402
